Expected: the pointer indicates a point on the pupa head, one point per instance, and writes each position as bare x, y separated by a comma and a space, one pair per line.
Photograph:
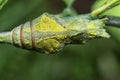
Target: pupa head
83, 29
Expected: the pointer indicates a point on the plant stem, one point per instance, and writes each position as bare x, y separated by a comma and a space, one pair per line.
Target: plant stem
5, 37
113, 21
102, 9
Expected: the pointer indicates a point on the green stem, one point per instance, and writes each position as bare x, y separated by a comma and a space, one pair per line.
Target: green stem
100, 10
2, 3
5, 37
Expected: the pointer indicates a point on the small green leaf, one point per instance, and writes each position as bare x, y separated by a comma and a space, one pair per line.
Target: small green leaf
69, 2
69, 10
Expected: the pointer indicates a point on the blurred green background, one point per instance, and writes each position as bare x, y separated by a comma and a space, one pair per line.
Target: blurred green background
98, 59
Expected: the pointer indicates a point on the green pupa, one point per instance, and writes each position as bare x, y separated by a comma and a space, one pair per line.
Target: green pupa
50, 33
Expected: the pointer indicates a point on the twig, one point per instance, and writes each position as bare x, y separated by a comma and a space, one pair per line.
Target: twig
113, 21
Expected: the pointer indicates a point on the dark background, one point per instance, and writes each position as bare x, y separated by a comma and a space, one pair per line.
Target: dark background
98, 59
